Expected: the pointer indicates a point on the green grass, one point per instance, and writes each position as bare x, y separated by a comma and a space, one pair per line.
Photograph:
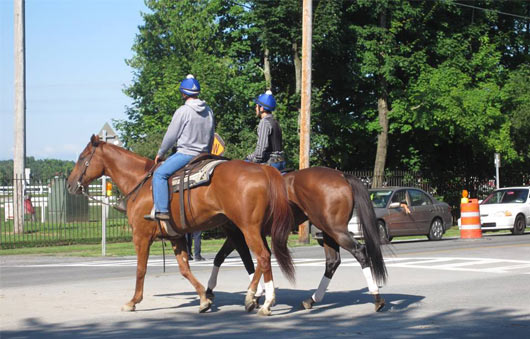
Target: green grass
124, 248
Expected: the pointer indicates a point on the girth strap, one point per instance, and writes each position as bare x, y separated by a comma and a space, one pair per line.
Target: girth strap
184, 185
183, 222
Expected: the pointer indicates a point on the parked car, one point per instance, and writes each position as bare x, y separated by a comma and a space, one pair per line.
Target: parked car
506, 209
427, 216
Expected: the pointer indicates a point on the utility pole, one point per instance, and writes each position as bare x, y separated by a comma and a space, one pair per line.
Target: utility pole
19, 161
305, 110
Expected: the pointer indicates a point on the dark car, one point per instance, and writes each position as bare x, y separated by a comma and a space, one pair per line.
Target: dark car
392, 205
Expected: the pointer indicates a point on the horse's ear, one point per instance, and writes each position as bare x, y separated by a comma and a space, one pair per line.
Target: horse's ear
94, 140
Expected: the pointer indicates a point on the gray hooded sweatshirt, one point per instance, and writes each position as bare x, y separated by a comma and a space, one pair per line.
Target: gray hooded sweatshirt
192, 129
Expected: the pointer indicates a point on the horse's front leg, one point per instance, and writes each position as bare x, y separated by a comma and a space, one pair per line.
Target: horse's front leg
181, 253
142, 245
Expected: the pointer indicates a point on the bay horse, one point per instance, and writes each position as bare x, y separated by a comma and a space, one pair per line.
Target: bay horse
250, 196
327, 198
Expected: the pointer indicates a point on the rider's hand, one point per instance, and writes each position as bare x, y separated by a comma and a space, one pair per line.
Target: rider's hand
158, 159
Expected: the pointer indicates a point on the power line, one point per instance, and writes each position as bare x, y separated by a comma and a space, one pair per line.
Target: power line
492, 10
456, 3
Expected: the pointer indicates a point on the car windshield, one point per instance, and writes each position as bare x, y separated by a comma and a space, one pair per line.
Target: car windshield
380, 197
509, 196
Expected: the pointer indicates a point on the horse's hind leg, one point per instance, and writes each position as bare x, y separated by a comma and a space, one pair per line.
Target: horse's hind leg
220, 257
234, 240
358, 250
331, 249
181, 253
142, 246
259, 246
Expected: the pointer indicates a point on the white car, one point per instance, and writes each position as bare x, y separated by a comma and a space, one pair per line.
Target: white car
506, 209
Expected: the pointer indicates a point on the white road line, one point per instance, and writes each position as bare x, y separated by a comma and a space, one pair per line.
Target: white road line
482, 265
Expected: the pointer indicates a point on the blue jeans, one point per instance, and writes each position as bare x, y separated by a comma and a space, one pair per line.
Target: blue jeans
194, 238
162, 173
279, 165
197, 244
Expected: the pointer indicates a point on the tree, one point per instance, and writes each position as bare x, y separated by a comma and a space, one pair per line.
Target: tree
210, 39
41, 169
442, 83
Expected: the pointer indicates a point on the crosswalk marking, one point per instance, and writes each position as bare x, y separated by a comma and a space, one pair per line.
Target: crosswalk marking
484, 265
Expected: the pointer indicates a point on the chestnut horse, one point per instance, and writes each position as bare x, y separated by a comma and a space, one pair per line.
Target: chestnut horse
250, 196
326, 197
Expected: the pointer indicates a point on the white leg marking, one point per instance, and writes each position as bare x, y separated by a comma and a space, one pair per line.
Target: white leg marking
322, 287
372, 286
212, 282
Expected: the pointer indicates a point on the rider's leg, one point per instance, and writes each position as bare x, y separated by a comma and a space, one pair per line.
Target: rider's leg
160, 177
279, 165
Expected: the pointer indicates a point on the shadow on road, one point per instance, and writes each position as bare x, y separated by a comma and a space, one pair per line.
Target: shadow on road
340, 314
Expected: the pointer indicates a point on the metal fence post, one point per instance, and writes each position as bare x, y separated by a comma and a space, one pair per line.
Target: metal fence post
103, 209
104, 227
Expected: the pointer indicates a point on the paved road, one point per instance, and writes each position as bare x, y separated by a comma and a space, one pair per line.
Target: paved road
447, 289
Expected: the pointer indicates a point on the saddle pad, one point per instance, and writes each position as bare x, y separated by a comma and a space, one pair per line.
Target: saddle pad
199, 178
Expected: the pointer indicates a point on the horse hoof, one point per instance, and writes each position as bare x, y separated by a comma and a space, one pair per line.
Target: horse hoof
264, 311
308, 303
250, 302
205, 306
210, 295
128, 308
379, 304
250, 306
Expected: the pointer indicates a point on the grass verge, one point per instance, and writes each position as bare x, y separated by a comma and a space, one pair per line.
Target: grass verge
125, 248
210, 246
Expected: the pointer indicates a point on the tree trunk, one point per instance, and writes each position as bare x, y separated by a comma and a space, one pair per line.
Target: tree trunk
267, 69
382, 142
382, 109
297, 67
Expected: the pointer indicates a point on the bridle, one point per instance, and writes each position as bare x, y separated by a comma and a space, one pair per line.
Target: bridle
124, 198
87, 163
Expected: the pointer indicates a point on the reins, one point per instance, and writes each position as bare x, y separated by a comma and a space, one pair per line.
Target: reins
124, 198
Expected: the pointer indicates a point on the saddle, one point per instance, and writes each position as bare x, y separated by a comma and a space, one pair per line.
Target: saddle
196, 173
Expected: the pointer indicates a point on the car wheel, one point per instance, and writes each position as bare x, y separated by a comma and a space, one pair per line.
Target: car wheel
437, 230
519, 225
383, 233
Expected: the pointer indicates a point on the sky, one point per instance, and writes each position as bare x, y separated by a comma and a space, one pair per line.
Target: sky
75, 72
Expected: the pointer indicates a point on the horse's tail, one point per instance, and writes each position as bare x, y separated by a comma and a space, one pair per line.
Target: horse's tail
368, 222
281, 219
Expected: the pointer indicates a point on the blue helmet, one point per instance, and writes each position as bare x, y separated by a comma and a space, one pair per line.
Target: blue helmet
266, 101
190, 86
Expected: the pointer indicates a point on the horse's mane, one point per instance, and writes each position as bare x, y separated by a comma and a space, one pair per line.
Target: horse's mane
148, 162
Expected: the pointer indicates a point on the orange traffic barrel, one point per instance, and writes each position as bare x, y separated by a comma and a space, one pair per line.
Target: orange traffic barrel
470, 220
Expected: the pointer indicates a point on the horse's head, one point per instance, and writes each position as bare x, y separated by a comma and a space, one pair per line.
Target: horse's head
89, 166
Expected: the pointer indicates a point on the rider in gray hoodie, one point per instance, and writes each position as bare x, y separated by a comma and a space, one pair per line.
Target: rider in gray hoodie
192, 130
